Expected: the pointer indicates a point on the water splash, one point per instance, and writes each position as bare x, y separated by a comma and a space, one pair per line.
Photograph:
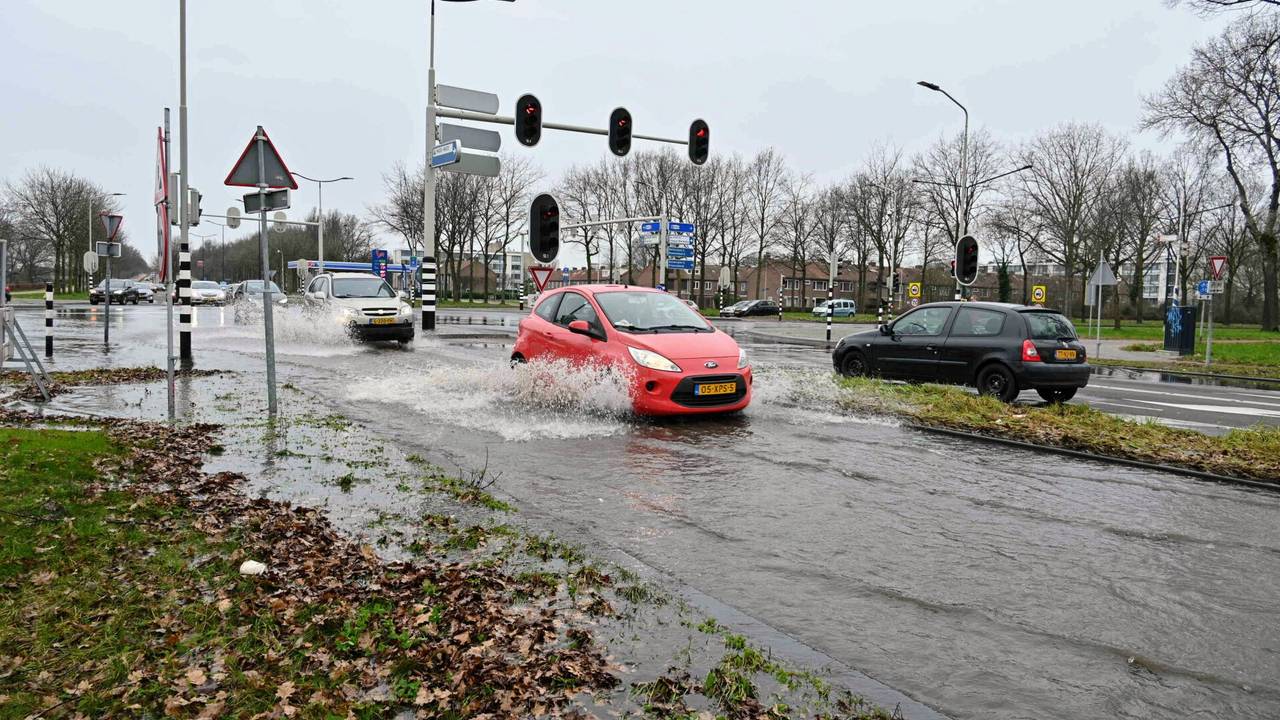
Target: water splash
539, 400
298, 330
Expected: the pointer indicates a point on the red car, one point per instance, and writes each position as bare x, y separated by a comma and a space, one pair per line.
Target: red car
678, 362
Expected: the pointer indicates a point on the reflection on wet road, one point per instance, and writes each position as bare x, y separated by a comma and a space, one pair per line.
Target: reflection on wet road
988, 582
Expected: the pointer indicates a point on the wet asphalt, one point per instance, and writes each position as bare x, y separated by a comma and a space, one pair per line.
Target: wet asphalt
984, 581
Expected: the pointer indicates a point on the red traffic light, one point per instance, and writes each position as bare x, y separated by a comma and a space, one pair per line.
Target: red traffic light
699, 141
528, 120
620, 131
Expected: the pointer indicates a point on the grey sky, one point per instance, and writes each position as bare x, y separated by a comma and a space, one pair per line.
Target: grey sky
340, 85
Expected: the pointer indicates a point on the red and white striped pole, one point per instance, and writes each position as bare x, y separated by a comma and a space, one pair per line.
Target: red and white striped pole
48, 319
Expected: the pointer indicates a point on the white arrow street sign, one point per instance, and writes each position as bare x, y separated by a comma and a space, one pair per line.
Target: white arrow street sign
471, 138
472, 164
465, 99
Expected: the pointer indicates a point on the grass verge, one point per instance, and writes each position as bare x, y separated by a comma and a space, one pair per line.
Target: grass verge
1153, 330
1248, 453
57, 296
123, 598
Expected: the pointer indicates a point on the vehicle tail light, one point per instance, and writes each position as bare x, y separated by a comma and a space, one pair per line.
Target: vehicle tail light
1029, 352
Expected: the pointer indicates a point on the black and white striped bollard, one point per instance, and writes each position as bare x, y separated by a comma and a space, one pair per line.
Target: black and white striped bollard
48, 319
831, 307
184, 296
780, 281
429, 293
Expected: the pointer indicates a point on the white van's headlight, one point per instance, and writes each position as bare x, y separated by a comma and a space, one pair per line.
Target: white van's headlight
652, 360
346, 313
742, 358
406, 310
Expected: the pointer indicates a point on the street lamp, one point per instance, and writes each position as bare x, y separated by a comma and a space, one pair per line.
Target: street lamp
104, 198
203, 253
320, 228
222, 246
962, 221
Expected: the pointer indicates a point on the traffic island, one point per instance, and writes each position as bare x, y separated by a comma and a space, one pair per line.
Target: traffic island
1251, 454
65, 380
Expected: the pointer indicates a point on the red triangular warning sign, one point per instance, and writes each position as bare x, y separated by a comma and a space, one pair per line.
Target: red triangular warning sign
245, 172
1217, 264
540, 276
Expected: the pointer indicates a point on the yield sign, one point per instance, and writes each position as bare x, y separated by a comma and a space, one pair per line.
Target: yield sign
540, 276
111, 222
1217, 264
245, 173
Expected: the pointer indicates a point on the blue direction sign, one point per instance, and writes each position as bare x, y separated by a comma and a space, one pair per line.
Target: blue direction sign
677, 264
446, 154
679, 252
649, 227
564, 273
379, 264
683, 228
1202, 287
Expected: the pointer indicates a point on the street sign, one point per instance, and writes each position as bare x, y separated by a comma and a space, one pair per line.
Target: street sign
913, 302
914, 290
472, 138
447, 153
564, 275
109, 249
112, 222
161, 200
1102, 275
649, 227
678, 264
245, 172
540, 276
278, 220
650, 239
1217, 287
1217, 264
679, 252
1202, 288
471, 164
1039, 293
726, 280
680, 240
275, 200
682, 228
379, 263
466, 99
90, 262
233, 217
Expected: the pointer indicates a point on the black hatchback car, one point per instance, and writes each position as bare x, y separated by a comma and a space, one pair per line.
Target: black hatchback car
122, 291
1000, 349
750, 308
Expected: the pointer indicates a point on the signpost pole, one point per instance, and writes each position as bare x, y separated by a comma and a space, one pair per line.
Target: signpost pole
663, 237
1208, 345
267, 324
429, 192
167, 261
106, 326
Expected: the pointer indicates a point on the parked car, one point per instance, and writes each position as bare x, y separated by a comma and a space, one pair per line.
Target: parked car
677, 363
122, 291
748, 308
365, 303
839, 308
207, 292
1001, 349
692, 305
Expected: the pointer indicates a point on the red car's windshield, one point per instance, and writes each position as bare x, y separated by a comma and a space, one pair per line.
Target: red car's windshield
630, 311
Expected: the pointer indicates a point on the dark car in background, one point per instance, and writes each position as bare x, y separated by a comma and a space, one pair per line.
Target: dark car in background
998, 348
122, 291
748, 308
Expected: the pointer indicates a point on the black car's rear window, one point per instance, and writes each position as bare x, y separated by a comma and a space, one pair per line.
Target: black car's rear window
1049, 326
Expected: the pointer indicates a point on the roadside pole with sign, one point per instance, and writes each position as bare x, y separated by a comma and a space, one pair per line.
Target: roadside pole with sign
261, 166
111, 223
1039, 293
1217, 266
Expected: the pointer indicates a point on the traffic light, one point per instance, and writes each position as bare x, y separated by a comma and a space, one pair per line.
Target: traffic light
544, 228
620, 131
967, 260
897, 284
699, 141
528, 120
193, 206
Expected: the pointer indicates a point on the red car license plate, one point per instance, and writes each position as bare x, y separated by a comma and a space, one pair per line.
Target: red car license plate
728, 388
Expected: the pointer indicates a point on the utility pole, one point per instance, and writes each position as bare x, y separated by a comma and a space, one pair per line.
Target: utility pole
962, 205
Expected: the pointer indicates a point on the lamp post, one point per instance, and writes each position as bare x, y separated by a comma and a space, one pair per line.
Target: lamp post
962, 210
222, 247
203, 253
429, 185
91, 216
320, 229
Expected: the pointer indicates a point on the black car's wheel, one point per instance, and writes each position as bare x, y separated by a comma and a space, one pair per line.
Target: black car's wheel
1056, 395
92, 301
853, 365
998, 382
135, 299
517, 359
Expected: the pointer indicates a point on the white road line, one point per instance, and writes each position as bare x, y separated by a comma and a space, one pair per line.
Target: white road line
1226, 409
1231, 399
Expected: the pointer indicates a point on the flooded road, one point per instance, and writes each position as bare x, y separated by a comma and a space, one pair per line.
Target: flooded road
985, 581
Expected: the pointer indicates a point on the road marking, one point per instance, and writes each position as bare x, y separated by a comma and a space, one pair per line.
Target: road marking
1229, 398
1227, 409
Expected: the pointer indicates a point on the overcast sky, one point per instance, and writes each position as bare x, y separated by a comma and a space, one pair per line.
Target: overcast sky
340, 85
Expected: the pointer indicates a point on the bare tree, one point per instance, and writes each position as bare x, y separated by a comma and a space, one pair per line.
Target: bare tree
799, 225
766, 181
939, 170
401, 212
1211, 7
1072, 166
1228, 98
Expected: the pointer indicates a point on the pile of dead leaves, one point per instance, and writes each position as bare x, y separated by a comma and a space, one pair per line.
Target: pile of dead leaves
64, 380
338, 631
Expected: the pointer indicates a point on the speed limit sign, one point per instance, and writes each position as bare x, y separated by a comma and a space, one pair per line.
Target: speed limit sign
1038, 294
913, 290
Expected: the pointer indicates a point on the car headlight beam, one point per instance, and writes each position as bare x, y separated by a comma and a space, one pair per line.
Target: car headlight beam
742, 358
652, 360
